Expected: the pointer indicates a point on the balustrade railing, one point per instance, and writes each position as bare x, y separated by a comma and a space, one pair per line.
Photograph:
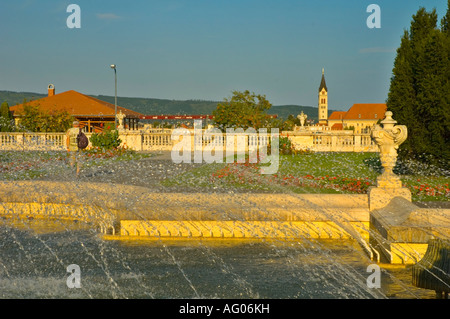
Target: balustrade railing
32, 141
162, 140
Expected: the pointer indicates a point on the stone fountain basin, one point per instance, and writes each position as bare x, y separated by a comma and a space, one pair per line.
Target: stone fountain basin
137, 211
401, 230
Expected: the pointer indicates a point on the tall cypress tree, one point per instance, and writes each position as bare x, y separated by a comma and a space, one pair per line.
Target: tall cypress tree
419, 91
432, 105
445, 27
401, 97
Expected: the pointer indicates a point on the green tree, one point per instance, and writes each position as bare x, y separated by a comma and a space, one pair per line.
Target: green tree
420, 88
243, 110
401, 96
445, 27
35, 120
6, 119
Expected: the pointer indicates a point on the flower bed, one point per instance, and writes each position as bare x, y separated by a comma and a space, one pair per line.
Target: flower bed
248, 175
428, 190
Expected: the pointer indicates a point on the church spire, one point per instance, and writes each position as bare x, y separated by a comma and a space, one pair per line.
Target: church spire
323, 101
323, 84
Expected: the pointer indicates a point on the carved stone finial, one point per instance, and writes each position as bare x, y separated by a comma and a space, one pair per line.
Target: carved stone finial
388, 138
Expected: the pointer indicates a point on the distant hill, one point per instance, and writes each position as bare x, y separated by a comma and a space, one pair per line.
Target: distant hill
14, 98
150, 106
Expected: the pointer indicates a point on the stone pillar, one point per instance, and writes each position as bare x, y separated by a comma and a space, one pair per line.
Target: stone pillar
334, 140
388, 138
357, 143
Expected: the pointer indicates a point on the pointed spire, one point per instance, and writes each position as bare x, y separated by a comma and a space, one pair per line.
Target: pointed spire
323, 83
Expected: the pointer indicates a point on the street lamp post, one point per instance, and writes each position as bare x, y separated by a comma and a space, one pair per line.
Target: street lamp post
113, 66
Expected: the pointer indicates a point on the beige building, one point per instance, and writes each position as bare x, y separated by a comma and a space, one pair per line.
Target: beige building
361, 117
335, 121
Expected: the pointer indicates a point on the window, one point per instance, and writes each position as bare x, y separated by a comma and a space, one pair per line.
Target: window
376, 115
359, 115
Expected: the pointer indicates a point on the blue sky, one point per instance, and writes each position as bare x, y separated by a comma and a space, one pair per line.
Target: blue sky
205, 49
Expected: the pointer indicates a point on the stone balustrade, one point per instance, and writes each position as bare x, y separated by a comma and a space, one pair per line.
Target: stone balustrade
332, 141
161, 140
32, 141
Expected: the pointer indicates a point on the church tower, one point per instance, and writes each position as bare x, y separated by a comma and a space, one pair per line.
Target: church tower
323, 100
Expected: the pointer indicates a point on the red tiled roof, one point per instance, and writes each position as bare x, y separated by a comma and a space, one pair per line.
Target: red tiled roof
337, 126
78, 105
337, 115
366, 111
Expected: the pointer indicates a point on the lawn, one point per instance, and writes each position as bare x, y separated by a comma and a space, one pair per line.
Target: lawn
316, 173
349, 173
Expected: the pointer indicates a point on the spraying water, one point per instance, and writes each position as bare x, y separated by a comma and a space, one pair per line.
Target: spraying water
35, 253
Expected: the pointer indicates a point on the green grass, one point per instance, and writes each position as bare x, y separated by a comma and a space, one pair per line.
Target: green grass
313, 173
36, 164
350, 165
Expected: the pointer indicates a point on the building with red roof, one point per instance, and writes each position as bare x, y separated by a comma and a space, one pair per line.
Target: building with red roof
361, 117
92, 113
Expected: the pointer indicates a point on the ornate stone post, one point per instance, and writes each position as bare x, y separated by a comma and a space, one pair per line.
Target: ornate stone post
120, 116
388, 138
302, 117
399, 230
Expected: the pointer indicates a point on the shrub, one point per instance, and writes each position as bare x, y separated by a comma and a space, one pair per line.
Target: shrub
286, 146
108, 139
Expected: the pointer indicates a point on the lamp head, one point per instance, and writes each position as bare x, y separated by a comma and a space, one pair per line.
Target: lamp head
113, 66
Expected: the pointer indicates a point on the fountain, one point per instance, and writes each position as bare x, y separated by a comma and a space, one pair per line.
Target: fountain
133, 239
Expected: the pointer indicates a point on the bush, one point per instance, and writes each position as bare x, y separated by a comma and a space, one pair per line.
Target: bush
108, 139
286, 146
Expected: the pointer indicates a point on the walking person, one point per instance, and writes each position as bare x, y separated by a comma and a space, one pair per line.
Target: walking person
76, 140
